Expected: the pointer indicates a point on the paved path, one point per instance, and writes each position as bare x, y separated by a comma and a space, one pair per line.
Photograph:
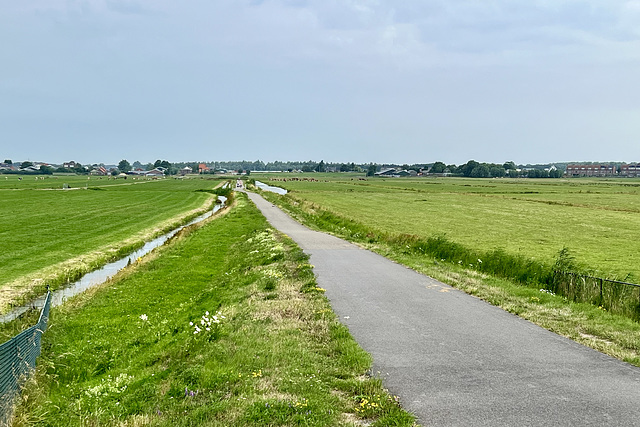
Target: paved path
455, 360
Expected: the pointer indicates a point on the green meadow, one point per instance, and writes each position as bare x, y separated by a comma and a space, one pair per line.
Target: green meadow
225, 326
515, 283
50, 235
597, 220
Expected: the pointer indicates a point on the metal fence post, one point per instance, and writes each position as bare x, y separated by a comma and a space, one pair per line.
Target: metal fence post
601, 296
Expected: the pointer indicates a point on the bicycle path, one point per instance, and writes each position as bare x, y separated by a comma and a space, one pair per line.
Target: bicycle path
455, 360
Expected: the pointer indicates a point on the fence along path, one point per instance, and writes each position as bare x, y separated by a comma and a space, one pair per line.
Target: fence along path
454, 359
17, 361
612, 295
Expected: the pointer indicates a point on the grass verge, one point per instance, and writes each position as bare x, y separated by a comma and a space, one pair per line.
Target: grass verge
224, 327
590, 325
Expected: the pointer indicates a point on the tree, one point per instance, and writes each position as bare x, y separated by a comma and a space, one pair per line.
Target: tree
78, 168
438, 167
468, 167
124, 166
47, 170
8, 161
480, 171
136, 165
555, 173
321, 167
497, 171
344, 168
371, 171
509, 166
25, 164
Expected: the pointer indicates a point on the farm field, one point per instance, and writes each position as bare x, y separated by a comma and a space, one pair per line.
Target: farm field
49, 235
269, 351
597, 220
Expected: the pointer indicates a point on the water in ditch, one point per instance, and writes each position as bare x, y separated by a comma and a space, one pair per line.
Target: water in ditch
101, 275
266, 187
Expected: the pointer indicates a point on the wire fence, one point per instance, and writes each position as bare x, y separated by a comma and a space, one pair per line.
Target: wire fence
612, 295
18, 360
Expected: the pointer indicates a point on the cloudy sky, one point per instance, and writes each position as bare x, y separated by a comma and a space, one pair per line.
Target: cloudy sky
410, 81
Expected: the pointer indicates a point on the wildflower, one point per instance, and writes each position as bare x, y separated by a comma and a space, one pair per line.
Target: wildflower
143, 317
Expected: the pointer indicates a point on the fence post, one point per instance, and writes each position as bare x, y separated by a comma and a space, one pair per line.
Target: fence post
601, 296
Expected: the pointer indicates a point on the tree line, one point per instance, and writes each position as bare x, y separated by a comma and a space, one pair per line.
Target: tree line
471, 169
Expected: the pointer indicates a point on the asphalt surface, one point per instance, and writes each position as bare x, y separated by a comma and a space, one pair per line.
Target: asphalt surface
455, 360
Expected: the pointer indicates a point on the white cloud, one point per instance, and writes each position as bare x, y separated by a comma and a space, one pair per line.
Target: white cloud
369, 71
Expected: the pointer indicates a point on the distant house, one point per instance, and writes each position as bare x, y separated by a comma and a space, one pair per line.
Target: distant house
395, 172
155, 172
590, 170
203, 168
69, 165
631, 170
31, 169
185, 171
99, 171
386, 172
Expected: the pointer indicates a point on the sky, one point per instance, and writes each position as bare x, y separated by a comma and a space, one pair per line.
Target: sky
411, 81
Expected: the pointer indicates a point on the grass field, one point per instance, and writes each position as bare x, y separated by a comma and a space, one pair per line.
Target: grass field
597, 220
50, 235
126, 353
615, 333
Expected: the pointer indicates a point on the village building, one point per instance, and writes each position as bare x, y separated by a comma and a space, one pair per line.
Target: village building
157, 172
630, 170
590, 170
99, 171
395, 173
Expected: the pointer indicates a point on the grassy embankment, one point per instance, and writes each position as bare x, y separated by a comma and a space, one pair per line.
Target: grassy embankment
52, 237
126, 352
519, 292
